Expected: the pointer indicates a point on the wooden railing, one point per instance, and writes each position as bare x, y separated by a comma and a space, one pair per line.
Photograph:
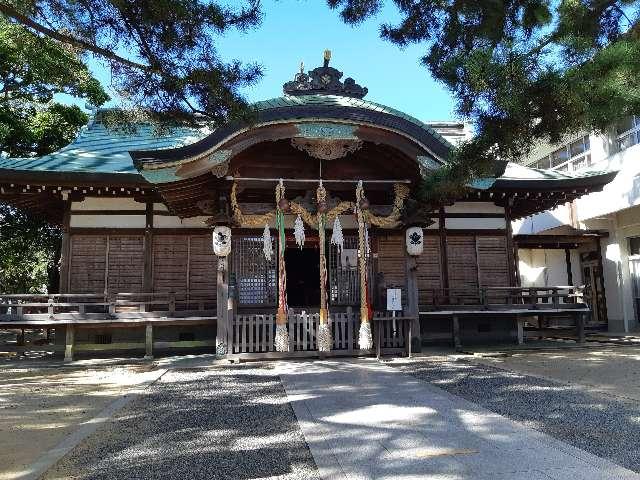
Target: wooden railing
83, 305
500, 298
255, 333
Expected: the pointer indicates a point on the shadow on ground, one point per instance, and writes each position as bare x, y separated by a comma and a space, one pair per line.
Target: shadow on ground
604, 426
219, 423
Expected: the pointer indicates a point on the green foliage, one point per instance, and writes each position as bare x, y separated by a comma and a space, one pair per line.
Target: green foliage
32, 129
32, 71
29, 253
523, 71
161, 53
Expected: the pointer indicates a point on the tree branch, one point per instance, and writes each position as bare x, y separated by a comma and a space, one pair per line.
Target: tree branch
68, 39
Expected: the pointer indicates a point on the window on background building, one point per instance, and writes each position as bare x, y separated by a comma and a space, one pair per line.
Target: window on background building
628, 132
570, 157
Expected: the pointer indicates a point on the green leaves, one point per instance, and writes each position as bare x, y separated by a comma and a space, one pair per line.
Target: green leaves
161, 53
29, 252
29, 129
34, 69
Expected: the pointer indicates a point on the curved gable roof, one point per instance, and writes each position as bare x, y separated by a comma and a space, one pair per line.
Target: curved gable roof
292, 108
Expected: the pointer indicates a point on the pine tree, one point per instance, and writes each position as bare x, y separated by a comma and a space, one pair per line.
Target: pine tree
523, 71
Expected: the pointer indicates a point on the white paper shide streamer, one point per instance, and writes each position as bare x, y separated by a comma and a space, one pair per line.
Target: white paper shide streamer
366, 240
298, 231
337, 238
267, 248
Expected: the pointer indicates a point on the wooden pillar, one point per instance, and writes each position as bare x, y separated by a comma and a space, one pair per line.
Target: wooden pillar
567, 258
580, 323
512, 254
520, 326
444, 258
148, 341
147, 282
600, 280
65, 248
69, 344
222, 305
457, 343
411, 269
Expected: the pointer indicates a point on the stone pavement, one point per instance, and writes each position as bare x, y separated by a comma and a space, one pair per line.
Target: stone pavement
365, 420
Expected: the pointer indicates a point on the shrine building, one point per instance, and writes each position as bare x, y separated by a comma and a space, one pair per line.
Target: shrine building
298, 233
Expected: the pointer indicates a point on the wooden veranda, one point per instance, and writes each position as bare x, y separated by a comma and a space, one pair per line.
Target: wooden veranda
251, 335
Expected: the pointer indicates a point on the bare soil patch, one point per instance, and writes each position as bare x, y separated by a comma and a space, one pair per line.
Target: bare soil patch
42, 402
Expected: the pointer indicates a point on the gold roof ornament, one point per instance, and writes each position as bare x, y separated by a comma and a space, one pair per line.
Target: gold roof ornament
327, 57
324, 80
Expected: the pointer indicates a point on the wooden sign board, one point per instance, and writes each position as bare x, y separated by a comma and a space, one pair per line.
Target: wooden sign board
394, 299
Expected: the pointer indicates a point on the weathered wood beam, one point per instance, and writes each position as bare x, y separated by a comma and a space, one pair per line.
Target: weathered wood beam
65, 249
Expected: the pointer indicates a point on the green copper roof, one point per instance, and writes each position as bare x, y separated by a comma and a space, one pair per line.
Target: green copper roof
99, 150
341, 101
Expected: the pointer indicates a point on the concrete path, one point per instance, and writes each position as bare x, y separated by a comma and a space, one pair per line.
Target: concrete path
365, 420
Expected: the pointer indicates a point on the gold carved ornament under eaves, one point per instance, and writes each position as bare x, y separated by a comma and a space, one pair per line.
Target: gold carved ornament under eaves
258, 220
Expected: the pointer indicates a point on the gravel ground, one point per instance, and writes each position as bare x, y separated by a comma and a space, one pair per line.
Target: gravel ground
217, 423
605, 426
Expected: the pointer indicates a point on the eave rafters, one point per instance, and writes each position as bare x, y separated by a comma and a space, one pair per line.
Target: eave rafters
48, 199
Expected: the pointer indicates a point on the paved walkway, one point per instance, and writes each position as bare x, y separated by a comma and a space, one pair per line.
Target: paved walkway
365, 420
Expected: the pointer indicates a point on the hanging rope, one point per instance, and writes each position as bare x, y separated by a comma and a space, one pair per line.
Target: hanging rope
365, 339
258, 220
281, 339
325, 340
393, 219
243, 220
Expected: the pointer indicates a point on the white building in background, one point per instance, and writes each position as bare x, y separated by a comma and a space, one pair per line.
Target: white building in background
613, 213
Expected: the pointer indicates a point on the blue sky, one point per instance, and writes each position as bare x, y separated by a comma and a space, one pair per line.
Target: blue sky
300, 30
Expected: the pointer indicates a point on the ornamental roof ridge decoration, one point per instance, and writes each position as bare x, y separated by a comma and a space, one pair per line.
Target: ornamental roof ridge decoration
323, 80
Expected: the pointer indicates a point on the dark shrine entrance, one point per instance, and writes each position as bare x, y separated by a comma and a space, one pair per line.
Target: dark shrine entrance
303, 277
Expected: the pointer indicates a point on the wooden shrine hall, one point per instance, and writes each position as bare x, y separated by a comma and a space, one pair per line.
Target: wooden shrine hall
297, 234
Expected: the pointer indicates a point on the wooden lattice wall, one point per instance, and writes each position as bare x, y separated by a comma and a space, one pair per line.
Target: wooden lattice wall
255, 277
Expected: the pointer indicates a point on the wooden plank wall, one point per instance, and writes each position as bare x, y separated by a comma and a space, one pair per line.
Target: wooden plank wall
203, 266
170, 263
87, 262
493, 266
429, 271
463, 266
126, 263
180, 263
473, 260
391, 259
